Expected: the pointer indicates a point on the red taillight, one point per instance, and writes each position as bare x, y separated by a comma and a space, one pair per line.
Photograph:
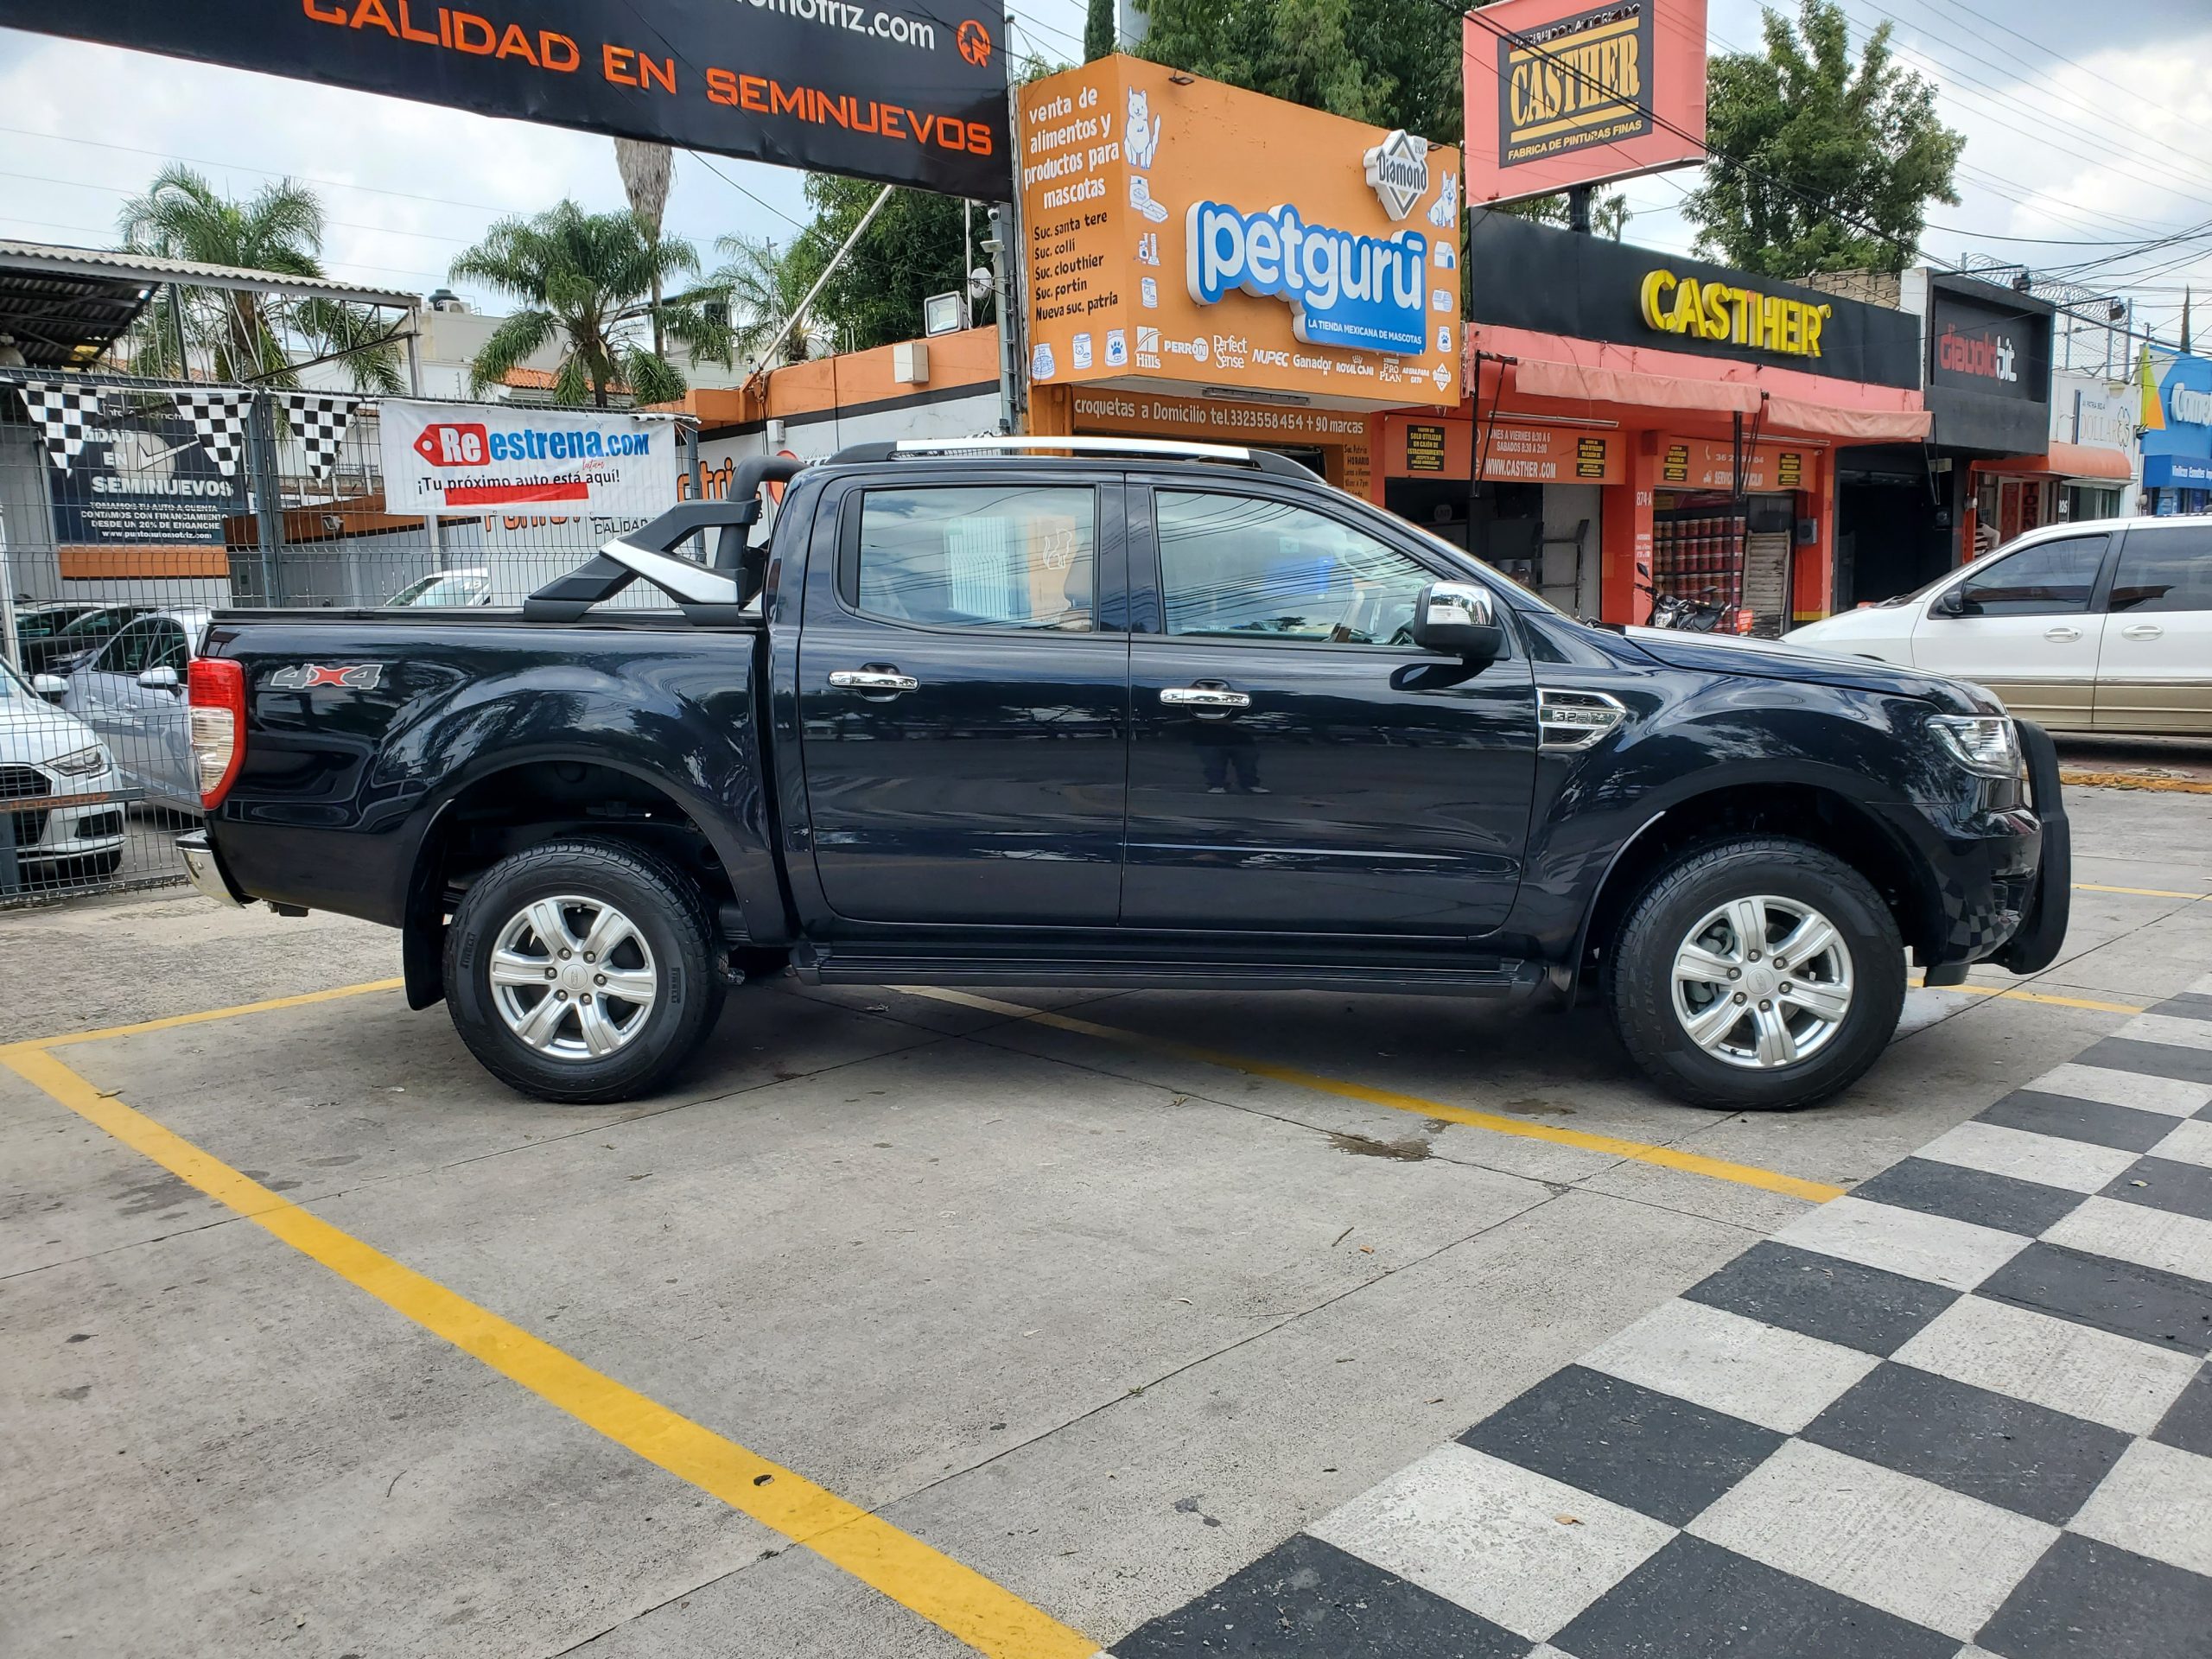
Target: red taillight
215, 700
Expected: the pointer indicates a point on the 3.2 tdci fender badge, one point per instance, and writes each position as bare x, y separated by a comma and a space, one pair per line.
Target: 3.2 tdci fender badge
305, 677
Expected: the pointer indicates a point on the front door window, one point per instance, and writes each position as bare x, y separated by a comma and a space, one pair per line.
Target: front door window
1238, 567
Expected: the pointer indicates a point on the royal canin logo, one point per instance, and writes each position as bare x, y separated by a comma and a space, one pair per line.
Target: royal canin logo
305, 677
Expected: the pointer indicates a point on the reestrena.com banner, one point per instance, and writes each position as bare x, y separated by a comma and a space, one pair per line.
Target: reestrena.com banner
906, 92
464, 458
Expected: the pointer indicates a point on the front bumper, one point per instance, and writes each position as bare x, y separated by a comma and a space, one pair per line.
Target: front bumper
2001, 880
203, 867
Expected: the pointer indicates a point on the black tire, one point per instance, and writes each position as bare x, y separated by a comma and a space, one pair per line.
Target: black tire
1639, 973
670, 915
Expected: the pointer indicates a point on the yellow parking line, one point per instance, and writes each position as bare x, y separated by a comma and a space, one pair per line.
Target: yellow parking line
2140, 892
173, 1020
2075, 778
2037, 996
1719, 1169
986, 1616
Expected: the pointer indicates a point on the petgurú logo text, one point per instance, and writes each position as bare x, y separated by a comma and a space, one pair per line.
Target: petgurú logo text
1344, 289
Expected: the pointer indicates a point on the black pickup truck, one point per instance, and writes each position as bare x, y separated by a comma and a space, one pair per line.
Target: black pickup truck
1122, 715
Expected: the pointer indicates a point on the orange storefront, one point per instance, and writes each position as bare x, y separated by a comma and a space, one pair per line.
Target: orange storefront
1640, 423
1205, 263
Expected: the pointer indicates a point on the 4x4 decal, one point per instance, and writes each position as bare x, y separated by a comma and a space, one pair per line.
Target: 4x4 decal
305, 677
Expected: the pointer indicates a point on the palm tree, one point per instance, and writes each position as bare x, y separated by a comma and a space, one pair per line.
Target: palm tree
647, 170
182, 217
762, 286
585, 281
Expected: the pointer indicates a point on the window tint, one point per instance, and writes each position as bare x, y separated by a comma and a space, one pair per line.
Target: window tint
167, 648
988, 556
127, 651
1236, 566
2165, 570
2047, 580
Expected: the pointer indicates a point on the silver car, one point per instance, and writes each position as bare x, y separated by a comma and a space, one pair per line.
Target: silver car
55, 779
132, 696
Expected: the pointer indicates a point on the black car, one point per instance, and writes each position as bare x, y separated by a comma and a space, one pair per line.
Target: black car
1130, 716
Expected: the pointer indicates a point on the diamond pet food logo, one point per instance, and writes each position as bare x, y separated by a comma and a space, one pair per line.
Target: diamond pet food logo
306, 676
1397, 171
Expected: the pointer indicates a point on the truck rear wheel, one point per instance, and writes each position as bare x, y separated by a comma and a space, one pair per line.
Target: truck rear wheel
1757, 974
582, 971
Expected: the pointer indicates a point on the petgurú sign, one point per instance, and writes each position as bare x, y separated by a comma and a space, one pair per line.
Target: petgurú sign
1344, 288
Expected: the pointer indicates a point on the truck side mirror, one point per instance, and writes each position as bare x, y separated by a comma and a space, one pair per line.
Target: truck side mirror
1457, 619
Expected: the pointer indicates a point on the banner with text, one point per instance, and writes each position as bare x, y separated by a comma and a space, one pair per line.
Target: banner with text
458, 458
912, 92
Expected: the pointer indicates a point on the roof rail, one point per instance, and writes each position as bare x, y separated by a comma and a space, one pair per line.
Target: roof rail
1154, 448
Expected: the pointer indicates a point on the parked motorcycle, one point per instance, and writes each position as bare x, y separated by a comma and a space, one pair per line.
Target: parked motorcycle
1690, 615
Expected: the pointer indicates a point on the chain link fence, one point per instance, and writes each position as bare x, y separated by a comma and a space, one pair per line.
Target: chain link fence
129, 511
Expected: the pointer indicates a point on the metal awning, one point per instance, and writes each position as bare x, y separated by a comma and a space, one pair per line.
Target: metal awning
65, 306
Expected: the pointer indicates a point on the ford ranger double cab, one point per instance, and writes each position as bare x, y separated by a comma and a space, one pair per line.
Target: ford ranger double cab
1073, 712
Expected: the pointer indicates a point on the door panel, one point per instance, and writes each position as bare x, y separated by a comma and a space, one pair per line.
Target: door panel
2028, 632
984, 780
1358, 788
2154, 674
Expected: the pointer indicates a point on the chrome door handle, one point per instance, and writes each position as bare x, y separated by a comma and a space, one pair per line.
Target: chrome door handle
1205, 697
2062, 634
2141, 631
874, 679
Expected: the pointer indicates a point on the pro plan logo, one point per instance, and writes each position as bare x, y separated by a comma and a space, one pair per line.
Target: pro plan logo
974, 43
1397, 171
306, 676
1987, 356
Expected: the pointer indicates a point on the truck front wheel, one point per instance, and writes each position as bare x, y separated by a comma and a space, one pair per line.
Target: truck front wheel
1757, 974
582, 971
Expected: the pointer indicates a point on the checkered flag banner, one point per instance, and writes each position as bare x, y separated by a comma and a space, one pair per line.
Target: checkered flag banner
318, 421
64, 414
219, 419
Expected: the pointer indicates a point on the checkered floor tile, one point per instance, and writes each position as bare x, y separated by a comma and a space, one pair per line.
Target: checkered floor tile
1964, 1412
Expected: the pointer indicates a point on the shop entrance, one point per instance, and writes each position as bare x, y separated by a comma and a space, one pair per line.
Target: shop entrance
1712, 548
1543, 536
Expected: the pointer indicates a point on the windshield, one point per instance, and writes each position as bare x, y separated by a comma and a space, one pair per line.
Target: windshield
94, 622
447, 588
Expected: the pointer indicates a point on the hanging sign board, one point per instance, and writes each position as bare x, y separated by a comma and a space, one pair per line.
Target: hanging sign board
907, 93
1562, 92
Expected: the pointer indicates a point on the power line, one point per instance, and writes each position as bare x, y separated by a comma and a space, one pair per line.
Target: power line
2052, 51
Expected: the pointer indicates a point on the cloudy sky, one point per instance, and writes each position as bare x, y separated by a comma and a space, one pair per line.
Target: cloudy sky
2084, 145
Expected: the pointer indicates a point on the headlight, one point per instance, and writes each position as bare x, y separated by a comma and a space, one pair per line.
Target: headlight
1985, 744
79, 763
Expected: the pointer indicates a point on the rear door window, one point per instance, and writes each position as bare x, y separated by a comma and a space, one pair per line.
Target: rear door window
999, 556
2165, 570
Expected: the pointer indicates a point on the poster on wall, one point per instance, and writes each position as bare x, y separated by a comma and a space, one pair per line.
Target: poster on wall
503, 462
1562, 92
907, 93
137, 486
1184, 230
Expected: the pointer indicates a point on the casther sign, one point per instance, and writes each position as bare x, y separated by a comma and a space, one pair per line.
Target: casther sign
907, 93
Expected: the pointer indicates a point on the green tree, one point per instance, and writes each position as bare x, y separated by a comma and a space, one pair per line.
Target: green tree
1393, 63
915, 248
1099, 32
240, 333
585, 282
763, 286
1819, 163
